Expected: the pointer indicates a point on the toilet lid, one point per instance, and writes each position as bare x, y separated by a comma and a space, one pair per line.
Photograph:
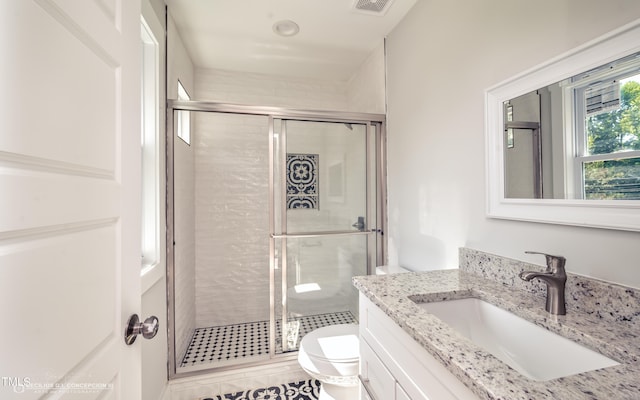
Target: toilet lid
338, 343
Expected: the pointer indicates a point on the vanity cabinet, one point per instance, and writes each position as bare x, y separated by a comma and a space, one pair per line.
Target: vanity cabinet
393, 366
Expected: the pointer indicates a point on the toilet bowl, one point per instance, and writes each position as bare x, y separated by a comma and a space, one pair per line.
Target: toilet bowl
331, 355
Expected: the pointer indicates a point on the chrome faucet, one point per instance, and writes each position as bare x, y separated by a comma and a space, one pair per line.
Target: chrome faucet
555, 277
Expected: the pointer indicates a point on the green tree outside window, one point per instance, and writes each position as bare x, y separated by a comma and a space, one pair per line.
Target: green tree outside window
615, 132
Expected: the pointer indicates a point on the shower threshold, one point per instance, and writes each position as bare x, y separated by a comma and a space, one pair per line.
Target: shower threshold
233, 344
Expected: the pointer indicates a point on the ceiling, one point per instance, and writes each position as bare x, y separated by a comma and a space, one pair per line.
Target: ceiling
333, 42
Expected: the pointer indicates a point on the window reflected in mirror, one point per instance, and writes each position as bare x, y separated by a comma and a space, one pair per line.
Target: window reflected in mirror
578, 138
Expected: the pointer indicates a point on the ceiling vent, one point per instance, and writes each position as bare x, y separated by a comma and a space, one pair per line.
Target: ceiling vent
373, 7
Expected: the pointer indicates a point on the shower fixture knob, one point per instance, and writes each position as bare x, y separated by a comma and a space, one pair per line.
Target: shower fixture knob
148, 328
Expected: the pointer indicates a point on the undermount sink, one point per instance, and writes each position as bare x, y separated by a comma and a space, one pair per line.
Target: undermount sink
533, 351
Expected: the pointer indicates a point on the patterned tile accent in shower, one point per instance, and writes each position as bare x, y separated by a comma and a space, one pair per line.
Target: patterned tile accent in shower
302, 390
302, 181
231, 342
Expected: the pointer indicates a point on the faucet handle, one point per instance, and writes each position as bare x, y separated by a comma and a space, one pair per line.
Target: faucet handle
554, 263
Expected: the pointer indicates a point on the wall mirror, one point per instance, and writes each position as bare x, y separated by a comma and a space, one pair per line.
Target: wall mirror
563, 139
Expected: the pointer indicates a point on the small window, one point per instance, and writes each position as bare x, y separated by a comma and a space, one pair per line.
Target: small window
607, 109
184, 117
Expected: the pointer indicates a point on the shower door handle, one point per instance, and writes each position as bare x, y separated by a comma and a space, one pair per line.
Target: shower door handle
359, 225
148, 328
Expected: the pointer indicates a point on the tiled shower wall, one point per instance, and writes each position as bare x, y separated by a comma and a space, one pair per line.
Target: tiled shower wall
185, 260
265, 90
232, 226
251, 284
232, 219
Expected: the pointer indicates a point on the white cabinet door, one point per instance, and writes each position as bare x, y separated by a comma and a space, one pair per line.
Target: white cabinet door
377, 378
69, 198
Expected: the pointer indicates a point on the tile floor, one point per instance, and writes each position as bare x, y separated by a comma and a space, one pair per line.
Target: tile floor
302, 390
232, 342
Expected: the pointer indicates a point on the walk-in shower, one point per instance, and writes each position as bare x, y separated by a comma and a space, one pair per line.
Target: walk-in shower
270, 213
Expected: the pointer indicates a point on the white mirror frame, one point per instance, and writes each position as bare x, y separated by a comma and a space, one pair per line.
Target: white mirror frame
610, 214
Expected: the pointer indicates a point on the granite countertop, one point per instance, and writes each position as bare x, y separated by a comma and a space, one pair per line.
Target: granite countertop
615, 336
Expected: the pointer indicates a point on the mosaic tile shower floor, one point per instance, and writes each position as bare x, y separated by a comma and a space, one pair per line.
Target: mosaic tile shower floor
232, 342
303, 390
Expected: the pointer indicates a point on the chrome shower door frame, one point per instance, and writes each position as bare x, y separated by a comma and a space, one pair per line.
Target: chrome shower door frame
376, 206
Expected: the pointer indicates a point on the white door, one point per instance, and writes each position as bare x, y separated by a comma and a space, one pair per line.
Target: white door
69, 198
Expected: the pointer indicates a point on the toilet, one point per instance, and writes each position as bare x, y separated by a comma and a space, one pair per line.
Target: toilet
332, 355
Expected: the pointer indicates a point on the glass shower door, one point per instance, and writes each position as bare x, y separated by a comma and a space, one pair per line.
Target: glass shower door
254, 188
325, 223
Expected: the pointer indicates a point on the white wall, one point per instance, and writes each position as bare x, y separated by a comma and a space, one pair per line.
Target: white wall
232, 275
441, 58
365, 89
267, 90
179, 66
